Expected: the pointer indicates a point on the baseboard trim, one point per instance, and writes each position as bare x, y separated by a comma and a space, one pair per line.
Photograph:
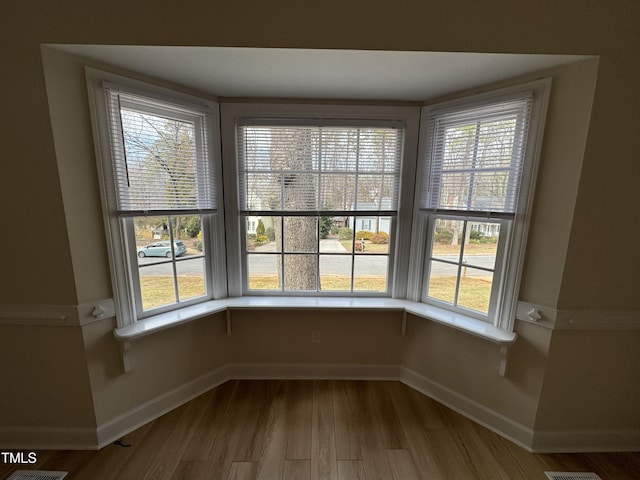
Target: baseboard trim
47, 438
314, 371
578, 441
488, 418
148, 411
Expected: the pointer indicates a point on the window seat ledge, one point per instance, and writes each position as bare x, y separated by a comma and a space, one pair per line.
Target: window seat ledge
457, 321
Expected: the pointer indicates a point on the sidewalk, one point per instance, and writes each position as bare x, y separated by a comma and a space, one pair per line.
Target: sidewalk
328, 245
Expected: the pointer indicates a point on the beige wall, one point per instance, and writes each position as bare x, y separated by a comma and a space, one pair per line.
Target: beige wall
159, 363
44, 377
580, 244
591, 375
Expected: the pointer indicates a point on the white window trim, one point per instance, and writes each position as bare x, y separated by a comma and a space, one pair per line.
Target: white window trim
122, 274
516, 243
232, 113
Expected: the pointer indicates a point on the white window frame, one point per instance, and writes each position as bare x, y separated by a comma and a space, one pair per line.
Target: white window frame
119, 229
513, 233
234, 113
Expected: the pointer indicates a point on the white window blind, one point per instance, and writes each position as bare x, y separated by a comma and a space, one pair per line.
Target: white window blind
476, 158
160, 158
312, 169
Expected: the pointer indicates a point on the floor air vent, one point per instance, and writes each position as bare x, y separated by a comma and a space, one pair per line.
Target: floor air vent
572, 476
37, 475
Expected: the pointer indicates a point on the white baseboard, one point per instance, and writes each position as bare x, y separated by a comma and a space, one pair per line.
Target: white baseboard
47, 438
494, 421
620, 440
153, 408
313, 371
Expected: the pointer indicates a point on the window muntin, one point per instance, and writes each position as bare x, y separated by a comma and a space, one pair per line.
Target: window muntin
171, 265
318, 254
308, 184
462, 263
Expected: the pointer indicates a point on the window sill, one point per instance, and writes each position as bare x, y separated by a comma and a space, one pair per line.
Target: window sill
459, 322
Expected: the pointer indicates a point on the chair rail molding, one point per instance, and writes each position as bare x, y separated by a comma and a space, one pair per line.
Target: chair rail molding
57, 315
578, 319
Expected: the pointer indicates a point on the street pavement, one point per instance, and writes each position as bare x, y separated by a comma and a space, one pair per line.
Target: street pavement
334, 260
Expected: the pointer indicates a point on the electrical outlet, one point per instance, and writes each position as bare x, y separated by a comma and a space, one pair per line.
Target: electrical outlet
316, 336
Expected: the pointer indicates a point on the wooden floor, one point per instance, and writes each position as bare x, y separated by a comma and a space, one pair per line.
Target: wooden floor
317, 430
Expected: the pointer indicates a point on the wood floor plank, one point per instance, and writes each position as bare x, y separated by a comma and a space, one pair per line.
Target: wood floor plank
297, 470
146, 452
243, 471
200, 440
424, 456
497, 459
374, 457
402, 465
103, 464
351, 470
348, 420
384, 414
299, 399
208, 427
64, 460
431, 413
188, 470
474, 448
323, 443
272, 457
615, 465
169, 455
250, 443
223, 451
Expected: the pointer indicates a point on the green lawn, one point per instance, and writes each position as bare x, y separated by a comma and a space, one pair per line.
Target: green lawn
336, 283
474, 294
159, 290
474, 291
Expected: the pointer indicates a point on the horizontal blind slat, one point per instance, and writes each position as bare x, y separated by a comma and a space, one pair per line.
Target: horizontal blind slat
476, 157
308, 168
160, 156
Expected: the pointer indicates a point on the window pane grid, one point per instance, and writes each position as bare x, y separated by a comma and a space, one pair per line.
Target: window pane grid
334, 259
462, 263
170, 270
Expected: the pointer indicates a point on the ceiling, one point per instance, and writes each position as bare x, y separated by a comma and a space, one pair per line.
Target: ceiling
315, 74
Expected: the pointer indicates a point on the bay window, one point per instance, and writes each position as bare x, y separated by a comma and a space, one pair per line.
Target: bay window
318, 200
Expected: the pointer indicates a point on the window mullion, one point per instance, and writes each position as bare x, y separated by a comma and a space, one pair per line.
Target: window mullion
282, 250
